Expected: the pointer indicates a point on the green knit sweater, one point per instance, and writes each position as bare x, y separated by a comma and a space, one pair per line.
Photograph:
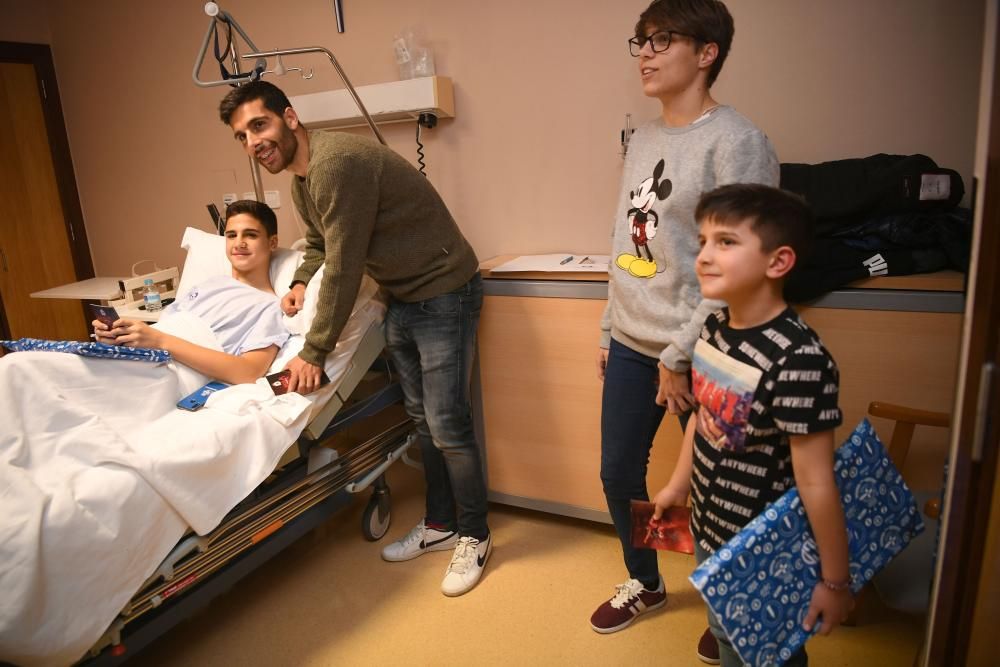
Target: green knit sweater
367, 209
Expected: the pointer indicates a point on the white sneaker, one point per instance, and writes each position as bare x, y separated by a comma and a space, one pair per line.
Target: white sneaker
419, 541
466, 565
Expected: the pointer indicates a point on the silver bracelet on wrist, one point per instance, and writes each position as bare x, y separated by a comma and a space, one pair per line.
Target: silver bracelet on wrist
836, 586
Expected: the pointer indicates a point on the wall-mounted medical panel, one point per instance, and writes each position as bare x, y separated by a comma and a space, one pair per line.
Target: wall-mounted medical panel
393, 102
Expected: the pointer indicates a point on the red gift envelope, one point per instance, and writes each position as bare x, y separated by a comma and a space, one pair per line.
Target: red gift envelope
671, 531
279, 381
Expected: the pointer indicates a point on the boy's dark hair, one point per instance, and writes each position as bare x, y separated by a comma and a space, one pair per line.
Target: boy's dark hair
777, 217
260, 211
707, 20
272, 96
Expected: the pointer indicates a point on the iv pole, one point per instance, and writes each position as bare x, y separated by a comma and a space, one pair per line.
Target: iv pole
340, 72
220, 16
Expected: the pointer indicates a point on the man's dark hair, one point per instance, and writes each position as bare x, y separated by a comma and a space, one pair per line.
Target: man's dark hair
707, 20
274, 99
257, 210
777, 217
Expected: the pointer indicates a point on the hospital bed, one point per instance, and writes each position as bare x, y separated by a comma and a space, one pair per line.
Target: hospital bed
283, 509
217, 541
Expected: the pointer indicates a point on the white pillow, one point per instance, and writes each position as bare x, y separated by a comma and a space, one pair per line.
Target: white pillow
301, 322
368, 298
284, 262
206, 257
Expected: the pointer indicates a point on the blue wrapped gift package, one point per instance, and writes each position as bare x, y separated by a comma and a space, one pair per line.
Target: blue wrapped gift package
92, 349
759, 584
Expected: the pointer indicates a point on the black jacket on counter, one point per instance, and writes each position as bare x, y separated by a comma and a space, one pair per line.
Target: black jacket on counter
843, 192
879, 215
896, 244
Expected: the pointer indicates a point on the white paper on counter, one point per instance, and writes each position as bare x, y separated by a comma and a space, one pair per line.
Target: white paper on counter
554, 263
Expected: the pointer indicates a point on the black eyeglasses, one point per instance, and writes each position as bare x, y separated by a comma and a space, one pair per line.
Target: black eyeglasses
659, 41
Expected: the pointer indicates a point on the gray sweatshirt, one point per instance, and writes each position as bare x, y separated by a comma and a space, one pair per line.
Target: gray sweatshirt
654, 302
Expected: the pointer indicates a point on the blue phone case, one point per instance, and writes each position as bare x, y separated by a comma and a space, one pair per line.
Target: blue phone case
197, 399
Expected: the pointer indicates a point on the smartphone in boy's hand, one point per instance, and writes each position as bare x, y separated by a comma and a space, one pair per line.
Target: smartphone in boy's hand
279, 381
107, 315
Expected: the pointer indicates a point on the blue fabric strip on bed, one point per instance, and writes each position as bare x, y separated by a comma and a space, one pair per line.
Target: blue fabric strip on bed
91, 349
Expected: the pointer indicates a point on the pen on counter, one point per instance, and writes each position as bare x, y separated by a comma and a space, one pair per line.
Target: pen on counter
584, 260
566, 261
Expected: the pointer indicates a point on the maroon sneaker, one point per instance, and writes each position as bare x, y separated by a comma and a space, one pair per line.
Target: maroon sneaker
708, 649
630, 600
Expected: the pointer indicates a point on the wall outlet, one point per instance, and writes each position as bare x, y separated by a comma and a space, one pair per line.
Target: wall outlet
229, 198
272, 198
250, 195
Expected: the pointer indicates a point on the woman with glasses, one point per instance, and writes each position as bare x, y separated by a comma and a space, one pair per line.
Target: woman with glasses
655, 311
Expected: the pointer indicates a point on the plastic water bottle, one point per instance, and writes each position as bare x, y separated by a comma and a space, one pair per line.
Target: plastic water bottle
151, 296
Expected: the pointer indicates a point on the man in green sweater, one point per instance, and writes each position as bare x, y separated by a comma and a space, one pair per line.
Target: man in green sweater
367, 209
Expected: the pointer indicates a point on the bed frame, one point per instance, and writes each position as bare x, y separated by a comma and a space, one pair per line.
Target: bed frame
299, 496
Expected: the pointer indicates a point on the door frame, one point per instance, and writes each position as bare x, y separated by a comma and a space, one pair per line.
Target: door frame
956, 625
40, 56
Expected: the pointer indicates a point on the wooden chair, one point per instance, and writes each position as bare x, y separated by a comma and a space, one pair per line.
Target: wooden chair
906, 420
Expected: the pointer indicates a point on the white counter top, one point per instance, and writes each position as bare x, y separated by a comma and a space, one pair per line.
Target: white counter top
100, 289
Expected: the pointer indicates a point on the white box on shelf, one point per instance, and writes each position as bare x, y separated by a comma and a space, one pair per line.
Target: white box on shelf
392, 102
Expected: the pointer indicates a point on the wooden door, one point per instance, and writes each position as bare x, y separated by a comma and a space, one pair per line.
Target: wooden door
965, 601
35, 253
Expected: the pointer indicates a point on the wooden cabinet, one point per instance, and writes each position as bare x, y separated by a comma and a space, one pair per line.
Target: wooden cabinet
538, 398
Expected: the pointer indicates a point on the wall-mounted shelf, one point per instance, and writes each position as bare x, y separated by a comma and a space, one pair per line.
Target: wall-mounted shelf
393, 102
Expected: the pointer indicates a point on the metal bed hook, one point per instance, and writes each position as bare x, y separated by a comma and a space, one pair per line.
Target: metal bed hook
281, 70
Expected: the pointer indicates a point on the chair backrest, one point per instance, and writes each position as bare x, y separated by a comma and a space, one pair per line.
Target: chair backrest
906, 420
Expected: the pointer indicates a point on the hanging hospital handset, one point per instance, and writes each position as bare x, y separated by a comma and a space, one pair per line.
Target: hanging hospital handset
220, 16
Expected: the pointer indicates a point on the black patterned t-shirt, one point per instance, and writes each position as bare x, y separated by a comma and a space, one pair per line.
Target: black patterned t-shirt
755, 387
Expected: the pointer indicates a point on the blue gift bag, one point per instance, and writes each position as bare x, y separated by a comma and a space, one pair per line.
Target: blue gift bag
760, 582
99, 350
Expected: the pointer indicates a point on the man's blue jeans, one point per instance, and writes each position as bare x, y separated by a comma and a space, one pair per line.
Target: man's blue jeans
433, 345
629, 420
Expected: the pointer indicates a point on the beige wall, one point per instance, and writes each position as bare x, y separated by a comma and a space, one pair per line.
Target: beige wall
23, 21
531, 162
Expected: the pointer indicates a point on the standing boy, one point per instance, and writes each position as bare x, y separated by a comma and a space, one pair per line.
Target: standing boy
766, 390
367, 209
655, 309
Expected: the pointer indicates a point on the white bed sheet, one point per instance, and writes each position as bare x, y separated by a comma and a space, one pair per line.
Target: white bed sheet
112, 474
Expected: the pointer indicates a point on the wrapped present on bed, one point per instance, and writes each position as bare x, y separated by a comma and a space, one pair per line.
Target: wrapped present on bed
93, 349
759, 584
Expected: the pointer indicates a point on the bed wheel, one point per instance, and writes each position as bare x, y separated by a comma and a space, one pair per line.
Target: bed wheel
376, 518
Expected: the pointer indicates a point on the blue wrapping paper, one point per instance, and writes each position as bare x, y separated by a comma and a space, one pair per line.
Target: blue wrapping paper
759, 584
94, 349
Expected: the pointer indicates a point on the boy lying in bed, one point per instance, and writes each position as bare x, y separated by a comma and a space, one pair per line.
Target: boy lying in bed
100, 474
242, 311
